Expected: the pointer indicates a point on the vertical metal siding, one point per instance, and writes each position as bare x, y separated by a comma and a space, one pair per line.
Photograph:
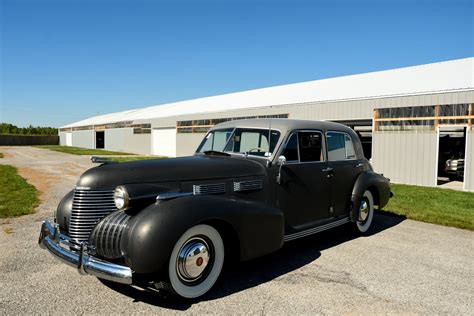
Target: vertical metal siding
84, 139
62, 138
187, 143
406, 157
137, 143
115, 139
469, 159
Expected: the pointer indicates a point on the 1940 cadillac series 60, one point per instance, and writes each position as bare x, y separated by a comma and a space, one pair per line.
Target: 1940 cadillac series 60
251, 186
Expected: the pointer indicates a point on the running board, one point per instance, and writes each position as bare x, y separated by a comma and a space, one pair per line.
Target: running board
315, 230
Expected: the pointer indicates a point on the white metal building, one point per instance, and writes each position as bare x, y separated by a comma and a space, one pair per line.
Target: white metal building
409, 118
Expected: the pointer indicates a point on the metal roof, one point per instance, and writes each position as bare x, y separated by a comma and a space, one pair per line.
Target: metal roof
454, 75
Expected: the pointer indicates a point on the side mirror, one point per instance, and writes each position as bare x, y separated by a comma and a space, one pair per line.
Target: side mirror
281, 162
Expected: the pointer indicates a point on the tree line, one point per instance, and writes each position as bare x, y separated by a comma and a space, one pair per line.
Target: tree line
6, 128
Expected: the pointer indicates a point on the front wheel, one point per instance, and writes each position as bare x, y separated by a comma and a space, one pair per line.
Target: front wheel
196, 261
366, 212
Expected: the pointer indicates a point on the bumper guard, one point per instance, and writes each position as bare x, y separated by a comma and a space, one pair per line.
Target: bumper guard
51, 239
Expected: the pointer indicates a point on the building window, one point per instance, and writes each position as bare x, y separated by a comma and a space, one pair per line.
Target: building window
203, 125
422, 117
141, 128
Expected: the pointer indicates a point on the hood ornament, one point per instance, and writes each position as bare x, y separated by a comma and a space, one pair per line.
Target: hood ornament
102, 160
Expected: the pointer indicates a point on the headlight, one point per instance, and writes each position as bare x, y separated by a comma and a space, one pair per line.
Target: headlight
121, 198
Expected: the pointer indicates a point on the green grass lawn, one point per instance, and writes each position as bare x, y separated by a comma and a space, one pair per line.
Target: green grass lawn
80, 151
433, 205
17, 197
133, 158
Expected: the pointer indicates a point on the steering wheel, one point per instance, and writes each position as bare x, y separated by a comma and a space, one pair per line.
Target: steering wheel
260, 149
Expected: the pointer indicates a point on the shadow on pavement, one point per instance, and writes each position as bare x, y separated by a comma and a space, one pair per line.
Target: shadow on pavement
292, 256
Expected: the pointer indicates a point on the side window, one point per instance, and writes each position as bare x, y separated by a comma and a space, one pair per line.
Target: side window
311, 148
350, 152
340, 146
291, 150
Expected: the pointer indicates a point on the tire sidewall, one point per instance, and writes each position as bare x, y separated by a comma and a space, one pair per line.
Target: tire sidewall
203, 287
364, 226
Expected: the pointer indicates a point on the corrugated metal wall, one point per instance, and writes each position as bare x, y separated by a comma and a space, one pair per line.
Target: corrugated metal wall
343, 110
469, 162
187, 143
137, 143
62, 138
84, 139
406, 157
115, 139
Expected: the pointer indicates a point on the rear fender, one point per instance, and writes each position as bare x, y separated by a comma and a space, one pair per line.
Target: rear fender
376, 183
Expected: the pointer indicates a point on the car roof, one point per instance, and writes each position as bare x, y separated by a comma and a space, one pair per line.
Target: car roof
284, 125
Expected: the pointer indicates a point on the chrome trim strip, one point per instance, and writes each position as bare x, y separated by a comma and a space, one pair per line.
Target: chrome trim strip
51, 239
315, 230
87, 190
171, 195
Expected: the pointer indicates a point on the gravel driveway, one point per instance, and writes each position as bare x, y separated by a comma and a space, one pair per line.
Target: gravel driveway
403, 266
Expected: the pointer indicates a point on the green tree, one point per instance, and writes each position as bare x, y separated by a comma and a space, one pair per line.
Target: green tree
6, 128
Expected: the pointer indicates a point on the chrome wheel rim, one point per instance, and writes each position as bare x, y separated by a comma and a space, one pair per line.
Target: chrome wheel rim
194, 260
363, 210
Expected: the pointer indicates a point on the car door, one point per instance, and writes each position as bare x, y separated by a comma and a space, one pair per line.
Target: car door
345, 165
305, 188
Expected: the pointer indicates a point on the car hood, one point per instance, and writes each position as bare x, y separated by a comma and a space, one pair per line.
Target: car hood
108, 176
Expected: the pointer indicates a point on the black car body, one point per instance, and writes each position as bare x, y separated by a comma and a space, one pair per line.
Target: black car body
251, 186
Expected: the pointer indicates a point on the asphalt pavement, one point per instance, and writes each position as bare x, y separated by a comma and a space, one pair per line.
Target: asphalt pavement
402, 266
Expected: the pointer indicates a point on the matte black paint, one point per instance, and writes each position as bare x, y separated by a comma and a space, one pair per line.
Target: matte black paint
376, 183
63, 212
152, 233
108, 176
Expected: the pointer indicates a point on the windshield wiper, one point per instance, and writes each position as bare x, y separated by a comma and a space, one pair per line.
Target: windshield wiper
215, 153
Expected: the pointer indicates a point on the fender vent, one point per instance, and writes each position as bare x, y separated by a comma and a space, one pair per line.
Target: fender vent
248, 185
107, 234
214, 188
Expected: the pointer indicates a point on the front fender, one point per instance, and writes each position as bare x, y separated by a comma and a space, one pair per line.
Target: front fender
373, 181
151, 234
63, 212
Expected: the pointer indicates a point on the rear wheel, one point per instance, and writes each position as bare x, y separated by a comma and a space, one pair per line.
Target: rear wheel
196, 261
366, 212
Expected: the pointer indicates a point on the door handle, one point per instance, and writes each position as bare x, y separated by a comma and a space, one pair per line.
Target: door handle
329, 171
359, 165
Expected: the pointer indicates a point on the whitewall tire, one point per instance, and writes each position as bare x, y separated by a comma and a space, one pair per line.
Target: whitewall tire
196, 261
366, 212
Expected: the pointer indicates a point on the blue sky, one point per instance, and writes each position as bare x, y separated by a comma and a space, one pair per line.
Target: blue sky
66, 60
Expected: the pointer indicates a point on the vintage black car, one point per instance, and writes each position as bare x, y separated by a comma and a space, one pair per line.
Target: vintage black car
251, 186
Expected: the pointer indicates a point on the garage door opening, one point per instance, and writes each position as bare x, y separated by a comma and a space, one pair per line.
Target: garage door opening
451, 156
99, 140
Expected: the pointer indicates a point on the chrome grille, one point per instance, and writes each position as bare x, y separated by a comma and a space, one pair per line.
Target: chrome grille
213, 188
247, 185
88, 208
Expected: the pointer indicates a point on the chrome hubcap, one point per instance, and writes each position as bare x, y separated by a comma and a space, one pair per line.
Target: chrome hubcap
363, 210
193, 258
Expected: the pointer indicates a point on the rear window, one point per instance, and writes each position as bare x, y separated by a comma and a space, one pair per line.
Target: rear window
340, 146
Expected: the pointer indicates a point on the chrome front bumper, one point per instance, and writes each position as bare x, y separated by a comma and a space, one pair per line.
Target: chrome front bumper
59, 245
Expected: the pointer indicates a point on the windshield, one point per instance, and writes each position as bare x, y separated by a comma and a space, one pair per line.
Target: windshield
241, 140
